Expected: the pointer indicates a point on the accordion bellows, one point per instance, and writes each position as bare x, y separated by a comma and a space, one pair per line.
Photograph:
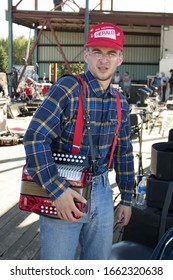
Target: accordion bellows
72, 168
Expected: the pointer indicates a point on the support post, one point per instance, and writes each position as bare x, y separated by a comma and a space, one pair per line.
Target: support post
86, 27
10, 44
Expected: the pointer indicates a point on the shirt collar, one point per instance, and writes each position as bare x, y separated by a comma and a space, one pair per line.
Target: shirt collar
93, 83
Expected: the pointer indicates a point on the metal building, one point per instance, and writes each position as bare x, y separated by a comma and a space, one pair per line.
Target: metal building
60, 37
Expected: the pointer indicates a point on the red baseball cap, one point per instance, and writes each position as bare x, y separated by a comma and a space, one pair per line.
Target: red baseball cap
105, 35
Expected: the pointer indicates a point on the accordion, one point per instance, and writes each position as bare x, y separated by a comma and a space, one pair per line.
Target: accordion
74, 168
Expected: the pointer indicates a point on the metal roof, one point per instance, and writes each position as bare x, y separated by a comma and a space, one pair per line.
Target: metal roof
75, 21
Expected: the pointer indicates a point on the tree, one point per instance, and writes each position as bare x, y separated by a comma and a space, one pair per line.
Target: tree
75, 68
19, 50
3, 60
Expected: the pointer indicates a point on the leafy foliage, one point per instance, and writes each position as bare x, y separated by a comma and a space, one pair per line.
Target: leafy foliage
75, 68
20, 45
19, 52
3, 60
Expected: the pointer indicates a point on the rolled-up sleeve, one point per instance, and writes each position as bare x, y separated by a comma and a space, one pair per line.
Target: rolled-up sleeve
44, 127
124, 159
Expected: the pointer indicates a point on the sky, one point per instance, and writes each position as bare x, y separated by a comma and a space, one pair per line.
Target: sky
119, 5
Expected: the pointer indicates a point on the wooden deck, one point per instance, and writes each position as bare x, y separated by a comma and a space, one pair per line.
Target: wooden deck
19, 235
19, 230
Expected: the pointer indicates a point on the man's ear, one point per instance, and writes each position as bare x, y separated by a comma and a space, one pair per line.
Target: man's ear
86, 56
120, 60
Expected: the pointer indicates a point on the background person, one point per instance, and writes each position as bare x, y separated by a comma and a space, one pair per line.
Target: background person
117, 79
171, 82
52, 127
14, 83
156, 82
163, 86
34, 76
127, 84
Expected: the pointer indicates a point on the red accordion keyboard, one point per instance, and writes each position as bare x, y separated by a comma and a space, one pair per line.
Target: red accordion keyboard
72, 167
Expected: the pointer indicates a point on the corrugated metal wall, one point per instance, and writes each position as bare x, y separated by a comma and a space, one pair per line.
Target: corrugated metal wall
141, 52
141, 55
72, 44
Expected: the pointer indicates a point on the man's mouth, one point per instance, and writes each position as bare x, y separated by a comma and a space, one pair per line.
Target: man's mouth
103, 69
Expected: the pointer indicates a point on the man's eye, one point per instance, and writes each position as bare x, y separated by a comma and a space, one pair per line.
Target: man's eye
113, 54
96, 53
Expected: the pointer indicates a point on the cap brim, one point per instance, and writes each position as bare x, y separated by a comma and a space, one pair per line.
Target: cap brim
102, 43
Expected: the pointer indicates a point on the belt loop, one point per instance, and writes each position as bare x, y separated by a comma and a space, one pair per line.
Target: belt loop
105, 178
101, 178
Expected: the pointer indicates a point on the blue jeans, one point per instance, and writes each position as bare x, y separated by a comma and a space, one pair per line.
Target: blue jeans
94, 232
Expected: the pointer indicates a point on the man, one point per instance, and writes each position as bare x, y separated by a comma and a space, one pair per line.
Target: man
34, 76
163, 86
14, 81
53, 125
127, 84
117, 79
156, 82
171, 82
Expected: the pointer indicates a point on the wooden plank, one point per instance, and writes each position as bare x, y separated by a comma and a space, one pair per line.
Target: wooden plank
15, 250
32, 251
37, 255
14, 230
9, 215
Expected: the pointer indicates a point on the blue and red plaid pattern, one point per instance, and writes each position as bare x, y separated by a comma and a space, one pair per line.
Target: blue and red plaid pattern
52, 128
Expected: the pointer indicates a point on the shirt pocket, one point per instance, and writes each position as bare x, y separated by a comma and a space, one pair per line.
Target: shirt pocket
107, 132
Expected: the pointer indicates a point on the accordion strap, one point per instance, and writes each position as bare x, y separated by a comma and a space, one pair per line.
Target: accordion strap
78, 128
88, 127
82, 114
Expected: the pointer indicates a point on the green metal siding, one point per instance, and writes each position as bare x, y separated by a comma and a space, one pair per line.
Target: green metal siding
141, 52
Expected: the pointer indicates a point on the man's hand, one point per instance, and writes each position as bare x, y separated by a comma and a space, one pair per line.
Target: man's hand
123, 215
66, 208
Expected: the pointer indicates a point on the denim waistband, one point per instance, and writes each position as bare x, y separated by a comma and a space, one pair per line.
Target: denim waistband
100, 178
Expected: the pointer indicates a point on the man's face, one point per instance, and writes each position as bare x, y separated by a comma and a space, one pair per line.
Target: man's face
102, 62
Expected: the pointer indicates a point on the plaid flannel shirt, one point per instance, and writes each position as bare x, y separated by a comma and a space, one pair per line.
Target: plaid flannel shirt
52, 127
